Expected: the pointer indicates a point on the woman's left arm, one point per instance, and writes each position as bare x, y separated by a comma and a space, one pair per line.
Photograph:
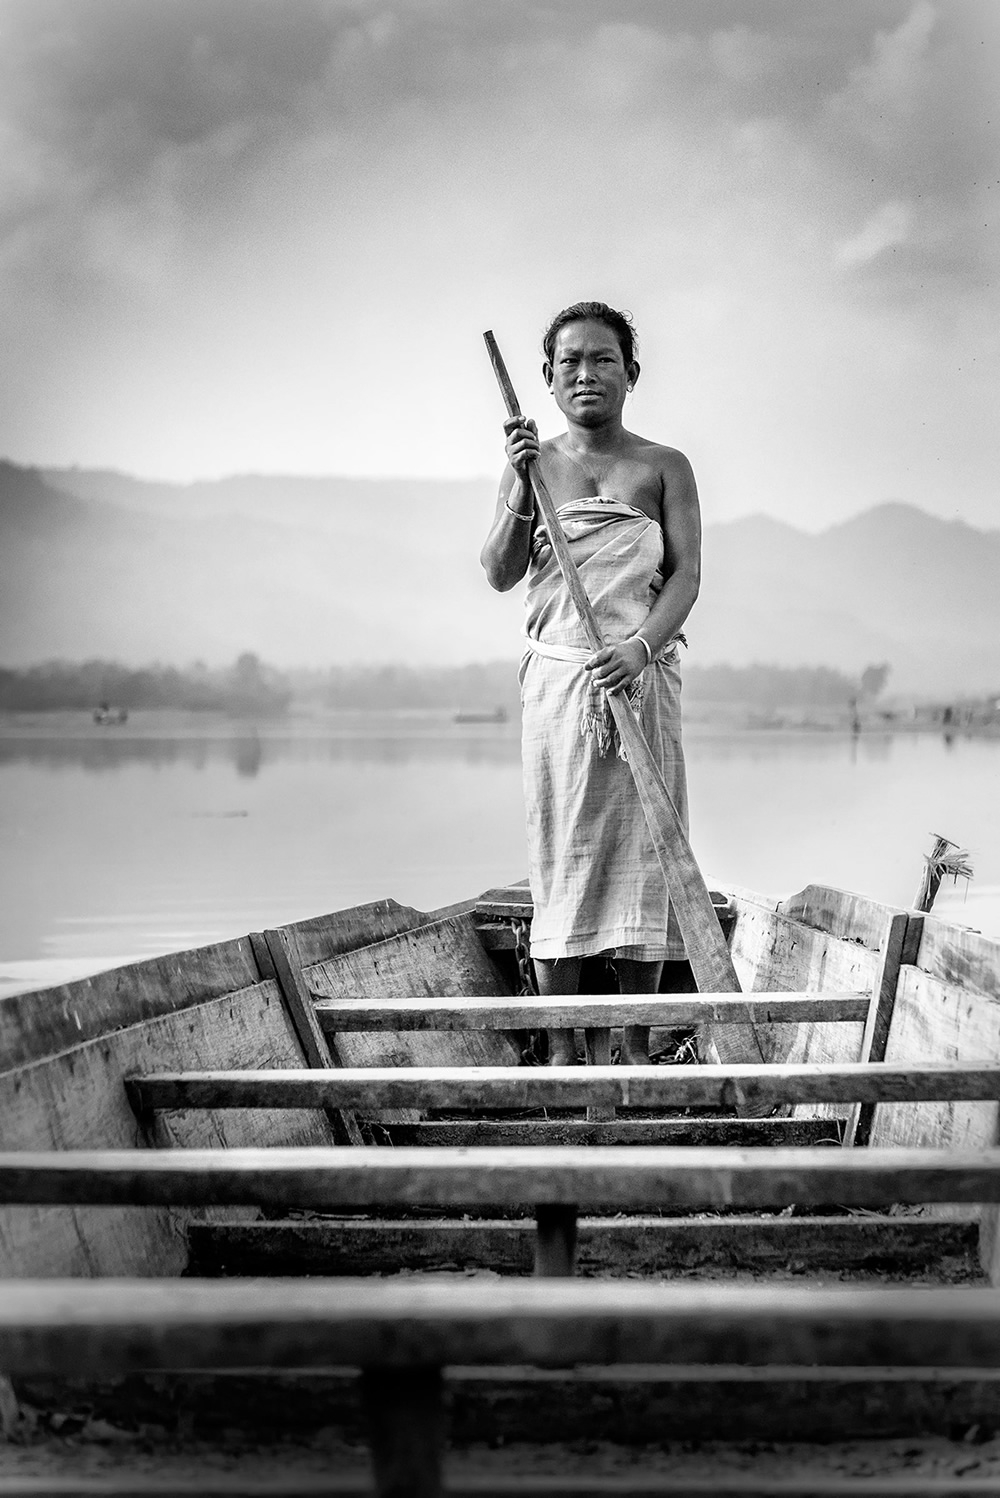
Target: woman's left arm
681, 555
616, 666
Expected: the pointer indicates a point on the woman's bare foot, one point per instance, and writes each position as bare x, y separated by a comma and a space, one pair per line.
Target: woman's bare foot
635, 1045
562, 1048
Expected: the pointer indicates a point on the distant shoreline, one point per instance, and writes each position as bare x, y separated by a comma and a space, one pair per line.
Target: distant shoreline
171, 723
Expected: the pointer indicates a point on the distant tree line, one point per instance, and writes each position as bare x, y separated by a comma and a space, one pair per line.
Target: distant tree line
494, 684
248, 686
782, 686
488, 684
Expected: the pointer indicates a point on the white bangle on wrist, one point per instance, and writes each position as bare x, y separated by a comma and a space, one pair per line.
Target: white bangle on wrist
649, 649
517, 514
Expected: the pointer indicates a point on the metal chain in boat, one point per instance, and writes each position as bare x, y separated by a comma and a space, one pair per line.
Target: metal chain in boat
525, 966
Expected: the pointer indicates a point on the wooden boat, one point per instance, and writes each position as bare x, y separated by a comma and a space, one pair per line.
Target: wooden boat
467, 715
220, 1160
110, 717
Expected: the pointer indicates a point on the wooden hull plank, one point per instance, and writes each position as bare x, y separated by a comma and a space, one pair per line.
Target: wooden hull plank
487, 1087
337, 1017
441, 959
320, 938
76, 1100
819, 939
44, 1023
115, 1326
636, 1245
326, 1179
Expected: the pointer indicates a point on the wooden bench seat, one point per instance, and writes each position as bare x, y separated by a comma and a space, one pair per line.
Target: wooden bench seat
615, 1179
108, 1326
339, 1016
567, 1086
401, 1335
325, 1485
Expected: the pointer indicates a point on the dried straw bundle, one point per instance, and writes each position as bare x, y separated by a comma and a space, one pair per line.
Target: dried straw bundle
945, 860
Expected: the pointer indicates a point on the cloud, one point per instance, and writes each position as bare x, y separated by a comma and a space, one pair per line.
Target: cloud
882, 93
239, 206
886, 228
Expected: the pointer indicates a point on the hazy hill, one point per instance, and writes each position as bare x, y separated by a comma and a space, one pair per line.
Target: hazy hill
321, 571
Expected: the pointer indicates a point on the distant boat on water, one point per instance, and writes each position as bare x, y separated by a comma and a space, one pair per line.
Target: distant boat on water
498, 715
109, 716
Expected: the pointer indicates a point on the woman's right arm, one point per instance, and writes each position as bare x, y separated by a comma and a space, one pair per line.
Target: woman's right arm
508, 545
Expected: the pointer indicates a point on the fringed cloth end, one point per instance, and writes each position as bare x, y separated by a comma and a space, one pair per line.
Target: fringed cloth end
597, 721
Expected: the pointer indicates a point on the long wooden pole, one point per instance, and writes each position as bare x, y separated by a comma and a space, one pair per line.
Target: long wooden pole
703, 940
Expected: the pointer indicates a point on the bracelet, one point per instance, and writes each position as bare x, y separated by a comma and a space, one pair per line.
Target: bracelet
517, 513
649, 651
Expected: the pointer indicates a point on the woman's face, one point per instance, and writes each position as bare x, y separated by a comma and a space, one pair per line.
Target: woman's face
588, 375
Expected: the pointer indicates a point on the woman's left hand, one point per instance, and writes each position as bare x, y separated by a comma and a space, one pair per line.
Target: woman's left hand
617, 666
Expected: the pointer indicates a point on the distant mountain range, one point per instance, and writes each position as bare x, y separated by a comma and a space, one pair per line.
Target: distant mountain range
339, 570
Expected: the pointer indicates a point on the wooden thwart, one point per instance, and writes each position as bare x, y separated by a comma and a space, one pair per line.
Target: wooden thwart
338, 1016
566, 1087
112, 1326
643, 1485
622, 1179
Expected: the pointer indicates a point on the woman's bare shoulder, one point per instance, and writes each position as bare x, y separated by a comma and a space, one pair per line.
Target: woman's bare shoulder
668, 461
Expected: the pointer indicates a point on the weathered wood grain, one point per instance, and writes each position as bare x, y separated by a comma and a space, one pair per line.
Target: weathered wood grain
840, 913
76, 1100
955, 955
276, 951
442, 959
338, 1016
117, 1326
524, 1485
507, 902
943, 1020
322, 937
947, 1006
566, 1086
663, 1246
50, 1020
608, 1179
820, 939
899, 944
742, 1133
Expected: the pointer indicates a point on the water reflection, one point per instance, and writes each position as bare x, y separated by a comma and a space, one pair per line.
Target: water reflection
160, 836
250, 754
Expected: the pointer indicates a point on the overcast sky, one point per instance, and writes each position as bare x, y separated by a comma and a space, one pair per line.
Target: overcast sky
267, 235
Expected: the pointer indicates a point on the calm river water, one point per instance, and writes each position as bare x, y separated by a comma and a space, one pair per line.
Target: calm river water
170, 832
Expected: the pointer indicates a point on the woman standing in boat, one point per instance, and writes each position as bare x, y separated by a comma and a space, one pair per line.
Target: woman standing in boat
629, 509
